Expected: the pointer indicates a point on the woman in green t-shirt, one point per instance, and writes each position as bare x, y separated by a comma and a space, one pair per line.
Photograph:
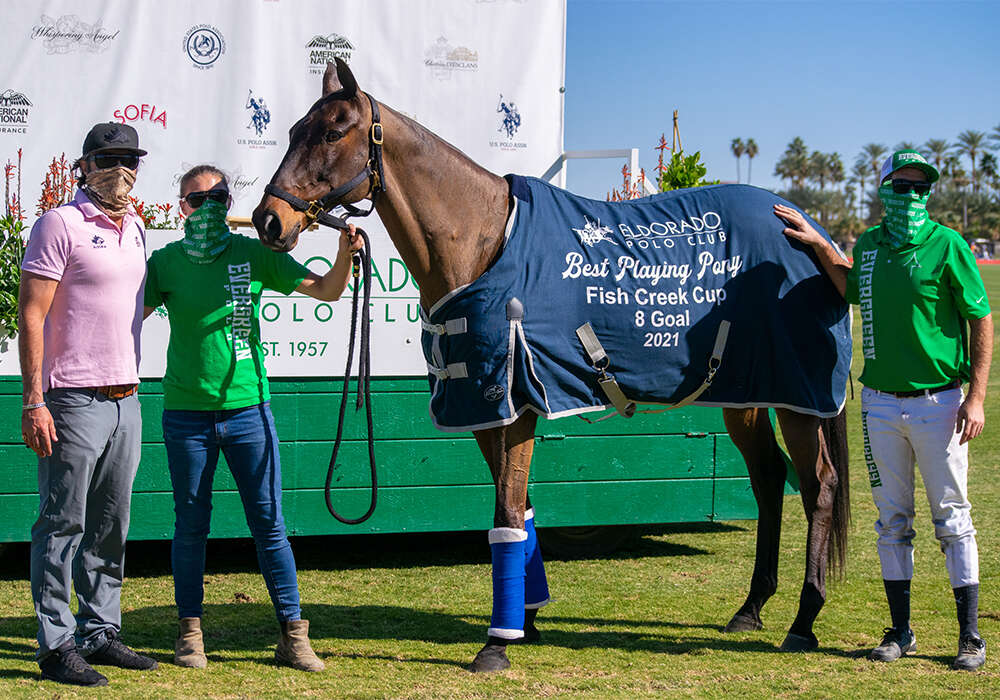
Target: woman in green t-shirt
216, 397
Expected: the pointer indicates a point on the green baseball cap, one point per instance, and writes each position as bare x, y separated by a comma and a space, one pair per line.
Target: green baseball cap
908, 158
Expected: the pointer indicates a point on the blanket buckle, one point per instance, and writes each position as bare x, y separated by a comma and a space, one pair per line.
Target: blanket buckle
600, 361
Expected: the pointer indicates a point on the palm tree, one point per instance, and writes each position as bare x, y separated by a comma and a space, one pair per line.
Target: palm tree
794, 163
904, 146
860, 173
995, 136
817, 168
835, 167
874, 154
960, 180
738, 149
937, 149
822, 167
988, 168
751, 148
970, 143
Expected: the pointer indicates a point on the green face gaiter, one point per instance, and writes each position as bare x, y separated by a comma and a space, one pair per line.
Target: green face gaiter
205, 232
905, 214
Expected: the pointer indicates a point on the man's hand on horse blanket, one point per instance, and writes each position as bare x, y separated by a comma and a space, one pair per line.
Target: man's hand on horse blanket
796, 225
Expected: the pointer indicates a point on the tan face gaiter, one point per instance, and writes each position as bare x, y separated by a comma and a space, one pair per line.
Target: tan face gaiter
109, 189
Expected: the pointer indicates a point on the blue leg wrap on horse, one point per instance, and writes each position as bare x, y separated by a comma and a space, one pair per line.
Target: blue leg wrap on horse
507, 545
536, 586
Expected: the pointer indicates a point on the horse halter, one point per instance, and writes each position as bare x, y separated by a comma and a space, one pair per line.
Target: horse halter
318, 210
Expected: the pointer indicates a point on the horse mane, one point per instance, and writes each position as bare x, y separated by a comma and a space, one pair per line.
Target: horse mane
427, 139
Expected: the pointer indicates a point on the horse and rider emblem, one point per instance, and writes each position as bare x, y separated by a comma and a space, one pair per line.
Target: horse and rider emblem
511, 121
260, 115
592, 233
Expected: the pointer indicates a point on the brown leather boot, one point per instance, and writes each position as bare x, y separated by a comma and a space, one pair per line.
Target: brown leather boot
189, 650
294, 649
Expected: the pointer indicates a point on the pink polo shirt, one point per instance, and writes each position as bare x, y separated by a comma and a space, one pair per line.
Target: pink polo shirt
92, 328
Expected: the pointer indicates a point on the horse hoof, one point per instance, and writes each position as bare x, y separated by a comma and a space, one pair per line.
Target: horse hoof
490, 658
742, 623
796, 642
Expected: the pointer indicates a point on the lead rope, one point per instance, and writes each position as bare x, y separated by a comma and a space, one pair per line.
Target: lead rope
361, 264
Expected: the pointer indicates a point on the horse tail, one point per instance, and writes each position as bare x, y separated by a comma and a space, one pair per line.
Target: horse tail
835, 436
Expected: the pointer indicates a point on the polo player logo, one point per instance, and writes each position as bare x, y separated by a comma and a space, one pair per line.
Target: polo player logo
592, 233
494, 392
204, 45
98, 242
260, 115
511, 121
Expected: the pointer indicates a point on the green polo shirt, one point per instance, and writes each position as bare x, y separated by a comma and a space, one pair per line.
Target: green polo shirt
214, 358
914, 301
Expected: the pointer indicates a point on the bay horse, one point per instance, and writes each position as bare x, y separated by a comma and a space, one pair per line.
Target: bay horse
446, 216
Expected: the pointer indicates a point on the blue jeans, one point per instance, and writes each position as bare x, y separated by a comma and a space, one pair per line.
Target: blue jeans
249, 442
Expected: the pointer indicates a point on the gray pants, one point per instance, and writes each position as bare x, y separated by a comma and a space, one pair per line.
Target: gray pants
85, 490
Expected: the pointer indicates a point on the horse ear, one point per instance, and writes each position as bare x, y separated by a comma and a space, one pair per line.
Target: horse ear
338, 77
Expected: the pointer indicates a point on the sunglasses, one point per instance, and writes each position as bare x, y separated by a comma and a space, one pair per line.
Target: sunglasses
102, 161
196, 199
901, 186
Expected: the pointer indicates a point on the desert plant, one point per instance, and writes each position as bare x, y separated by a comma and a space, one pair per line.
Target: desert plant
156, 215
11, 248
58, 186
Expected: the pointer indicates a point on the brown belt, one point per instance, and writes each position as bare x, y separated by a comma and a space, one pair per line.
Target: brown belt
954, 384
117, 391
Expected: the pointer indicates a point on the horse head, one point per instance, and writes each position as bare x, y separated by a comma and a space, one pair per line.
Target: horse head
328, 150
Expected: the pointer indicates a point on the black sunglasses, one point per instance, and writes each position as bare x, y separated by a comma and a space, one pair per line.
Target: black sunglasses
196, 199
901, 186
103, 161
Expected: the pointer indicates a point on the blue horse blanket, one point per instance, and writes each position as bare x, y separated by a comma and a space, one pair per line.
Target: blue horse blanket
654, 277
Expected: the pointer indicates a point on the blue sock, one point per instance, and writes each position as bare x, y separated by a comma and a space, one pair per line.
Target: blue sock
536, 586
507, 545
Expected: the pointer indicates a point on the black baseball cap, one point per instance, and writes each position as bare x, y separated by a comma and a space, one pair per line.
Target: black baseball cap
112, 137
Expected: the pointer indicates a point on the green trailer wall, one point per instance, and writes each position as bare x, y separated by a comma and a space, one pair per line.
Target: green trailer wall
676, 466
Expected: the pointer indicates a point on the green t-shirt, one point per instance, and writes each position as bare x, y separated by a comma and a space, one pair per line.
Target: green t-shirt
914, 301
214, 358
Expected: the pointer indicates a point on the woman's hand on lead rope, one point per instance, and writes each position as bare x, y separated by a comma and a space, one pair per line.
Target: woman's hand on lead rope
350, 241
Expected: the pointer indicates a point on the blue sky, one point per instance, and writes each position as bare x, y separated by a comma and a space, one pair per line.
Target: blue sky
838, 74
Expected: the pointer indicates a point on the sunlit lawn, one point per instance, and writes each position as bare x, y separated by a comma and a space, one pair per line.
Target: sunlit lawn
401, 616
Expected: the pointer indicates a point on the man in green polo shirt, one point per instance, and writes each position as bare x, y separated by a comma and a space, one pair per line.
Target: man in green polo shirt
926, 329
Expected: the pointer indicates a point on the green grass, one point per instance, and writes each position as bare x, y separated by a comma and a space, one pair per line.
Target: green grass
400, 616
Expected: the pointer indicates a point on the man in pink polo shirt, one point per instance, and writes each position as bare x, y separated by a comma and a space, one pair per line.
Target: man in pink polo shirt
80, 308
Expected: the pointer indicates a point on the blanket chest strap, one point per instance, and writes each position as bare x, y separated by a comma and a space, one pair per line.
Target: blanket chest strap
599, 359
456, 370
455, 326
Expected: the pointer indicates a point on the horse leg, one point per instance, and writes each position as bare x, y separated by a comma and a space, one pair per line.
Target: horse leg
752, 433
818, 484
508, 452
536, 586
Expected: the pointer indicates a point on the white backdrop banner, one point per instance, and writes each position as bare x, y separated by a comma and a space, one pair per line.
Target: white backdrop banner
221, 82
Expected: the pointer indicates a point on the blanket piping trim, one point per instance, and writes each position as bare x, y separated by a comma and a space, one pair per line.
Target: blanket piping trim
590, 409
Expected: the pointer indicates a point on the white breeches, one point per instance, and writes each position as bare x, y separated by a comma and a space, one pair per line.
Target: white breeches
899, 432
